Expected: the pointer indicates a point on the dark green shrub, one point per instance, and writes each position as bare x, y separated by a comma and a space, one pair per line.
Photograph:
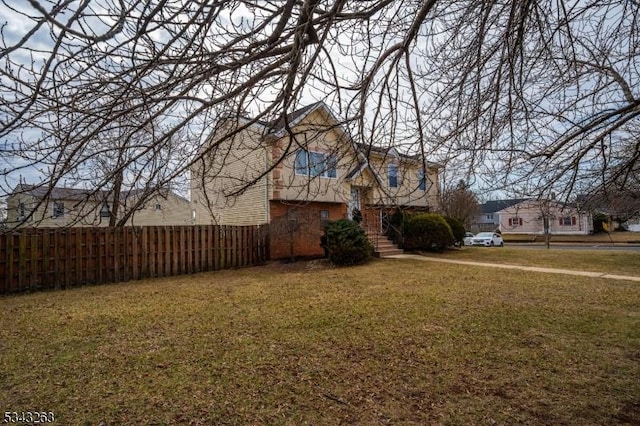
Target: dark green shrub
427, 231
395, 227
397, 218
599, 221
356, 216
457, 228
347, 243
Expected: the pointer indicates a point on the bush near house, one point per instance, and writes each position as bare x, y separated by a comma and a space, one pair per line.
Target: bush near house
347, 243
357, 216
457, 228
395, 230
427, 231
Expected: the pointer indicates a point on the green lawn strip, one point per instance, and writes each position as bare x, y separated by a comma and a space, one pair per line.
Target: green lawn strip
392, 341
613, 262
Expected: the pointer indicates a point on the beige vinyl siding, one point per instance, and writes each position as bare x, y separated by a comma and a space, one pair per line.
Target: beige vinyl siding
407, 192
527, 218
225, 170
174, 210
314, 134
76, 213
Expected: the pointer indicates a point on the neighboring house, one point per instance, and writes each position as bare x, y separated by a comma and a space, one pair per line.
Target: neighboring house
298, 180
541, 216
30, 205
616, 209
633, 224
489, 219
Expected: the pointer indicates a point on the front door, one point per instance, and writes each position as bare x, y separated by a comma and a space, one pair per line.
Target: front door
354, 202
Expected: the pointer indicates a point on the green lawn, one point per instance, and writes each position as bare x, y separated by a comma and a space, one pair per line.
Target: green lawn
391, 342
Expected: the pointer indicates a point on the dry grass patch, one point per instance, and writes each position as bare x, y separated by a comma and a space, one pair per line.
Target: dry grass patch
614, 262
618, 238
399, 342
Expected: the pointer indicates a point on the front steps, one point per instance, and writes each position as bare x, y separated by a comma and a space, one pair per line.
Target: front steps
383, 246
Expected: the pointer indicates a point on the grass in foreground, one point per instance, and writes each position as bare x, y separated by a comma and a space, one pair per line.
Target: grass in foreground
613, 262
396, 341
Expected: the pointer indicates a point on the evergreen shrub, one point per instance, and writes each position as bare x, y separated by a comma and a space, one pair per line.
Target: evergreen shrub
347, 243
457, 228
427, 231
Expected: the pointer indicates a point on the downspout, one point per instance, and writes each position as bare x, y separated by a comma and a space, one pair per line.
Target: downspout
267, 208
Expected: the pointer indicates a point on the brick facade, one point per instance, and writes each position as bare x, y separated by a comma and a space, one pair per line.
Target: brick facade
296, 228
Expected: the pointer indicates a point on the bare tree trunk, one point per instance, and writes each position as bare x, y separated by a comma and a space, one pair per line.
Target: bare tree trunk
115, 201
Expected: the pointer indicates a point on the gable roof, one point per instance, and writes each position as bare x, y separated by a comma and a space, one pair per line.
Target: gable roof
58, 193
278, 125
277, 129
77, 194
497, 205
535, 202
392, 152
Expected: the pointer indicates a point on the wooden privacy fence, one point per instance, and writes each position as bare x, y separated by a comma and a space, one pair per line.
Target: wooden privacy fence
46, 258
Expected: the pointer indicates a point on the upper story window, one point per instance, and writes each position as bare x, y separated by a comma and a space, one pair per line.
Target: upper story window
158, 207
311, 163
58, 209
422, 181
104, 210
22, 211
392, 172
489, 217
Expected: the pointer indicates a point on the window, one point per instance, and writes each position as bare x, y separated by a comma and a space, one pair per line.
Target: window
158, 207
422, 181
311, 163
302, 162
58, 209
392, 172
324, 216
515, 221
104, 211
489, 217
22, 211
568, 221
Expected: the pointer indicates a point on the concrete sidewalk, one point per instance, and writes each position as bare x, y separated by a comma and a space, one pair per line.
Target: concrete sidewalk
521, 268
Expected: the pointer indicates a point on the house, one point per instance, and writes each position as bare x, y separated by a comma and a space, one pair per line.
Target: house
613, 208
531, 216
299, 176
41, 206
489, 218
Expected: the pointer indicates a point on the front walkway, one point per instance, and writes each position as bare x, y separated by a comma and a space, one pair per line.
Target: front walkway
521, 268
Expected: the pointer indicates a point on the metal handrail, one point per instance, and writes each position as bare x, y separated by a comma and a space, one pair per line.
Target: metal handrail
397, 232
367, 228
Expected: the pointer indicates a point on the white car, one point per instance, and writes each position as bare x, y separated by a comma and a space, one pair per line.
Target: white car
466, 241
487, 239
